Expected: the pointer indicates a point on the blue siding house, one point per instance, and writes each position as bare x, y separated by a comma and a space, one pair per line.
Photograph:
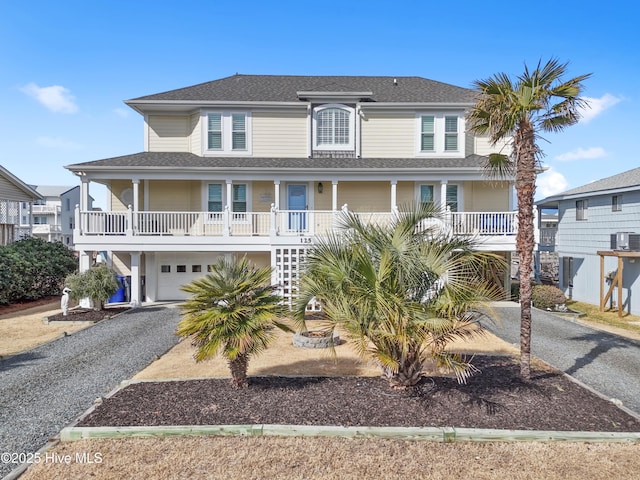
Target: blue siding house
596, 265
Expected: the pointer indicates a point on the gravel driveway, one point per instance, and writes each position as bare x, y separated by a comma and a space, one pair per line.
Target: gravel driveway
606, 362
44, 389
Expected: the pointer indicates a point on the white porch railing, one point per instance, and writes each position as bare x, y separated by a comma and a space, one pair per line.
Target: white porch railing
276, 222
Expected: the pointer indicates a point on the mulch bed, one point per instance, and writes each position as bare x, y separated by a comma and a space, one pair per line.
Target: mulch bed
495, 398
87, 314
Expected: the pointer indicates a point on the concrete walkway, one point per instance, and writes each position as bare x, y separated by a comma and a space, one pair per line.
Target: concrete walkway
606, 362
46, 388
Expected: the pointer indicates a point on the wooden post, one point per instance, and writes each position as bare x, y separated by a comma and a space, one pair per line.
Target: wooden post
620, 266
602, 301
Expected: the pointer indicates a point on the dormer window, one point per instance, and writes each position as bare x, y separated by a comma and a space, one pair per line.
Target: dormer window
334, 127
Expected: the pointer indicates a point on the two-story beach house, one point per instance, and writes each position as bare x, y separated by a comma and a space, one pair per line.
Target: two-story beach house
262, 165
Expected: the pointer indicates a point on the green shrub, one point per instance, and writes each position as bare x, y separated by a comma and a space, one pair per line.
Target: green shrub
33, 268
98, 283
547, 296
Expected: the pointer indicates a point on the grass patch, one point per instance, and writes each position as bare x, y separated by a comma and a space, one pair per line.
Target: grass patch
607, 318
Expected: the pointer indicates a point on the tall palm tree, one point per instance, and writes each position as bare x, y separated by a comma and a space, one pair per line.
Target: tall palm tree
517, 110
232, 311
402, 291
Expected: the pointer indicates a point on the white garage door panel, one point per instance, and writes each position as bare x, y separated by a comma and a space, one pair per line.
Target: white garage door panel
169, 282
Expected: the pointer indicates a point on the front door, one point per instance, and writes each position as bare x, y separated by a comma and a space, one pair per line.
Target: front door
297, 201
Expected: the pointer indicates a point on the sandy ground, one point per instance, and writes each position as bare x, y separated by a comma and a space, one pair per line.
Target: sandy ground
25, 330
317, 457
285, 359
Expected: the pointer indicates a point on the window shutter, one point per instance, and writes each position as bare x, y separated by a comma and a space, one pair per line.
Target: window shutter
238, 129
214, 131
427, 143
450, 133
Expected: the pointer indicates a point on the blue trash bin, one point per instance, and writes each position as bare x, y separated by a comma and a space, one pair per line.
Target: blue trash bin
120, 295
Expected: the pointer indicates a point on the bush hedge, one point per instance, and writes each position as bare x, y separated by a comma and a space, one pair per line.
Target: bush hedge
32, 268
547, 296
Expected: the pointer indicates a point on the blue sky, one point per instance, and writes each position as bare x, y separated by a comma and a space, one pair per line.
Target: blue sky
67, 66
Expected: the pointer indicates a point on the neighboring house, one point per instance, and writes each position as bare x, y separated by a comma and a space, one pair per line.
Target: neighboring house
596, 264
546, 259
13, 192
52, 218
261, 165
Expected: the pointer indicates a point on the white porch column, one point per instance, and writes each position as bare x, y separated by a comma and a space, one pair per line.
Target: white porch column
334, 195
84, 194
136, 203
229, 194
394, 195
276, 193
443, 194
84, 264
135, 299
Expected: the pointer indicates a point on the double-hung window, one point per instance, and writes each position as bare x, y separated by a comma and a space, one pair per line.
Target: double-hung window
334, 127
227, 133
616, 203
452, 197
426, 196
216, 199
581, 209
439, 134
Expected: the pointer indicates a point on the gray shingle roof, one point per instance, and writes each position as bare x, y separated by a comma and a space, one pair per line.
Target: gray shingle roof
284, 88
186, 161
628, 179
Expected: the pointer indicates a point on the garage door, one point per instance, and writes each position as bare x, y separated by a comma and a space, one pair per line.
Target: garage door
175, 270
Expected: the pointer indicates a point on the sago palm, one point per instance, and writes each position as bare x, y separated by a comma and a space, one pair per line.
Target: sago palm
232, 311
401, 292
516, 111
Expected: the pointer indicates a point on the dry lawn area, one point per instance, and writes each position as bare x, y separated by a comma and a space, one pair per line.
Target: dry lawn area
337, 458
25, 330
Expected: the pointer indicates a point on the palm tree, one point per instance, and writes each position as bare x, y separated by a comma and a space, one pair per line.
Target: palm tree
232, 311
402, 292
517, 110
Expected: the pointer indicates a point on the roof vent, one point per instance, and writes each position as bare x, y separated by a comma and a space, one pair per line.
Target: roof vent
395, 81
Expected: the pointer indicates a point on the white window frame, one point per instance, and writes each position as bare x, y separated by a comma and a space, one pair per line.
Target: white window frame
227, 133
440, 134
217, 216
437, 192
350, 145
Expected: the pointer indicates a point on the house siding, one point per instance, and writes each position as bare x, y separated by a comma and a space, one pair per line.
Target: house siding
388, 135
365, 196
279, 134
174, 195
168, 133
582, 239
483, 146
195, 134
486, 196
262, 196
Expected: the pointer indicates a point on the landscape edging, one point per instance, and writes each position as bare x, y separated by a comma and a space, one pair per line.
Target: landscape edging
436, 434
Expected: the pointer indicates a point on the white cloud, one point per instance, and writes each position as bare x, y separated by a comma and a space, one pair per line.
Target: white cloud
550, 183
56, 97
121, 112
597, 106
57, 142
582, 154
